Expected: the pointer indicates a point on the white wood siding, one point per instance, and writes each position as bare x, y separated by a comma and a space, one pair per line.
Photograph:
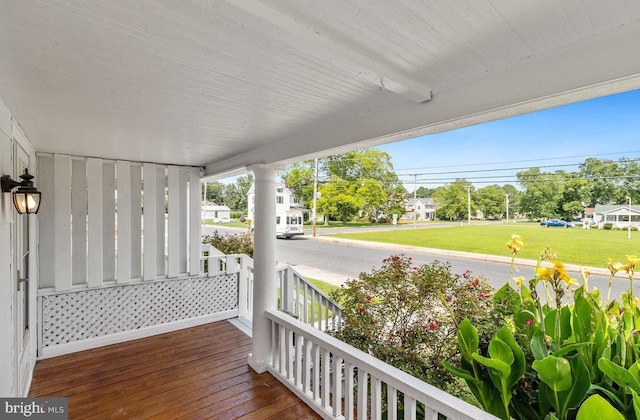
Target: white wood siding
94, 216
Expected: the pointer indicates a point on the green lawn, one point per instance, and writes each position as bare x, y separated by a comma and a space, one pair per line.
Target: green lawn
584, 247
234, 224
335, 224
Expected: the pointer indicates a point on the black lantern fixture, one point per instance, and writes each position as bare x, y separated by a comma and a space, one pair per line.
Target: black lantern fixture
26, 198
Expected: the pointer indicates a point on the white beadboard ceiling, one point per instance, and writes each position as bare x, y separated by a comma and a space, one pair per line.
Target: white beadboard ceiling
226, 84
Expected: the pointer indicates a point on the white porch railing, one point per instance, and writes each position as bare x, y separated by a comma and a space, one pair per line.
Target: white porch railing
298, 297
306, 302
341, 382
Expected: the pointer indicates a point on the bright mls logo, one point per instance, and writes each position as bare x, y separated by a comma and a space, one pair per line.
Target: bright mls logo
34, 408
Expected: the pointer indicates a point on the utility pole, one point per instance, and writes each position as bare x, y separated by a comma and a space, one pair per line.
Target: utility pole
315, 197
415, 198
629, 227
468, 187
507, 198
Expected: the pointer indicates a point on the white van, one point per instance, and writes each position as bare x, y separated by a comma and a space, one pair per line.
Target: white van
289, 224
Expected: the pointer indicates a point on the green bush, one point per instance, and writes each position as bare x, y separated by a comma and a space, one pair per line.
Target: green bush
407, 316
232, 243
607, 226
575, 356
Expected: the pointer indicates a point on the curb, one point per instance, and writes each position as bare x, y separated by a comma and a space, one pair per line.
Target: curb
460, 254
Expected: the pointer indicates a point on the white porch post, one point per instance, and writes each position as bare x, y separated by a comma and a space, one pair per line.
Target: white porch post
264, 264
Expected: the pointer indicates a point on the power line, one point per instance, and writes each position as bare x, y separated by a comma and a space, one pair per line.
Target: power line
520, 161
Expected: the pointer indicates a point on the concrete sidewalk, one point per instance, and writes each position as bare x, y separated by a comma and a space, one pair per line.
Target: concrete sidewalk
335, 279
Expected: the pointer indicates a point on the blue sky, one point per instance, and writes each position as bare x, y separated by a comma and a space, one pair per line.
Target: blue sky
605, 128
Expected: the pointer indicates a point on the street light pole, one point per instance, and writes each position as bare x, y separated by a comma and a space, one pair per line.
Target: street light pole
507, 200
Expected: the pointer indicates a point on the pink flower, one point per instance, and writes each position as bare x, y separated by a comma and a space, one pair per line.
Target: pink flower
448, 298
433, 326
484, 295
475, 282
368, 297
361, 309
529, 321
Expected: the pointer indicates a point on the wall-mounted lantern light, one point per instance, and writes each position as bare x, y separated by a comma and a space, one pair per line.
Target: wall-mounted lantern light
26, 198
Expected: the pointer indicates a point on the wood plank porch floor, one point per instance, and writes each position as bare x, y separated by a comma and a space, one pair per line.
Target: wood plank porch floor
195, 373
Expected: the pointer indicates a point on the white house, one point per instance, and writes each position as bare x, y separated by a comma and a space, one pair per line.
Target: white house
215, 212
619, 215
285, 200
148, 99
422, 208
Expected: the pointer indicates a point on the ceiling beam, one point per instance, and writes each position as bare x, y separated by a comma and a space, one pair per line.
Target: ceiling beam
307, 38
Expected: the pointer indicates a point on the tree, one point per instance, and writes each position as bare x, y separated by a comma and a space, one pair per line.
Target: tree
236, 193
424, 192
299, 178
365, 185
215, 192
575, 197
338, 199
453, 200
602, 176
491, 200
543, 193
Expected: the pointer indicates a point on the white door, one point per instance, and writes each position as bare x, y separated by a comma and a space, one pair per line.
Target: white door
23, 314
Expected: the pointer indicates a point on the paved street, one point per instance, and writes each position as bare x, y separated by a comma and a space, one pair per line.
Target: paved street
335, 260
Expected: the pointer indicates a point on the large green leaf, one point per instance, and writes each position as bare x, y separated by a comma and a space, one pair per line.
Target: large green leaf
619, 375
550, 323
565, 323
500, 350
504, 369
582, 311
538, 346
555, 372
467, 340
636, 403
564, 350
572, 397
460, 373
518, 364
596, 407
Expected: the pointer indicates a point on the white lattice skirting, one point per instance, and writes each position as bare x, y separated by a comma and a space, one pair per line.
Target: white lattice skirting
122, 312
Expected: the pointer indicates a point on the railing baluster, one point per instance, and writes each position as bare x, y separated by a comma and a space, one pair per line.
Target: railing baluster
409, 408
316, 372
392, 403
308, 344
376, 398
362, 394
306, 303
283, 350
274, 345
299, 350
348, 390
326, 379
337, 385
289, 347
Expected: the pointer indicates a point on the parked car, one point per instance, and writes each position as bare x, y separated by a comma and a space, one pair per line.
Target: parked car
222, 220
576, 223
555, 223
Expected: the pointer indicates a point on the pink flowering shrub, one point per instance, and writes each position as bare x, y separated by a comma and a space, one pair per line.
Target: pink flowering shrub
407, 315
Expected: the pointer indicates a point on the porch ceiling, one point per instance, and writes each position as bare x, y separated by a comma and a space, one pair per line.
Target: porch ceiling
228, 84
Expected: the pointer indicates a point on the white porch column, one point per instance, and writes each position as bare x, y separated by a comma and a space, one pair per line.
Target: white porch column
264, 264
